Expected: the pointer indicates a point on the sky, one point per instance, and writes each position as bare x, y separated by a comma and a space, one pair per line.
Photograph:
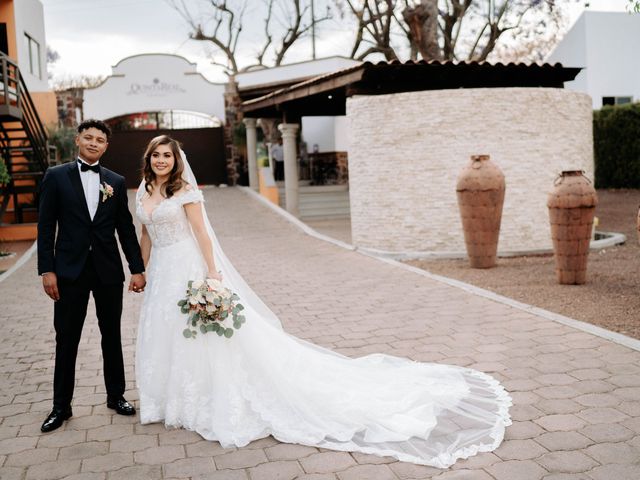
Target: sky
91, 36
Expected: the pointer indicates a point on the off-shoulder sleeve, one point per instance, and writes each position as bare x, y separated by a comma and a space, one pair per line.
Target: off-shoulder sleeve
193, 195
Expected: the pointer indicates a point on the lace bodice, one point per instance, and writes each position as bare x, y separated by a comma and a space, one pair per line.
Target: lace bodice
167, 223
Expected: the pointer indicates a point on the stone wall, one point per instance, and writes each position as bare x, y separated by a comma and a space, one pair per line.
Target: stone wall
406, 151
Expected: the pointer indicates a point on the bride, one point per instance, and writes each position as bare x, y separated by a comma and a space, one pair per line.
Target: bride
263, 381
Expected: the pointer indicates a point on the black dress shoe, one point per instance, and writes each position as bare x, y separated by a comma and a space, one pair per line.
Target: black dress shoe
121, 406
55, 419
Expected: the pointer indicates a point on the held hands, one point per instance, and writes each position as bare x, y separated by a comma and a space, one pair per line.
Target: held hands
50, 285
137, 283
213, 275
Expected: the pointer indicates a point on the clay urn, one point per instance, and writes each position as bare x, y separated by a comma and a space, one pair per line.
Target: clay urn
480, 191
572, 206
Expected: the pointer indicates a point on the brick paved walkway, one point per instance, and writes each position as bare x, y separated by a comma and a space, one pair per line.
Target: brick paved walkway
577, 396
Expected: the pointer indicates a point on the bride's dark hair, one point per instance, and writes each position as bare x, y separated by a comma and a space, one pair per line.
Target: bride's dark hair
175, 181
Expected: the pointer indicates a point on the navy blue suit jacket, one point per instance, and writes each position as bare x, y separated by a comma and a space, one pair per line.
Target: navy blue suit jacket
66, 232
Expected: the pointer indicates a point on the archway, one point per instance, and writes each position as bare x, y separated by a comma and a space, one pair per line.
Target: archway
200, 134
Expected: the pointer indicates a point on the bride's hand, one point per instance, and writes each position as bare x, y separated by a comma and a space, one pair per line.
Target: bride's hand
214, 276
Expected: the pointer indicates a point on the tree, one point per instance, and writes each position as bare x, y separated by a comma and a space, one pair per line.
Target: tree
220, 24
449, 29
76, 81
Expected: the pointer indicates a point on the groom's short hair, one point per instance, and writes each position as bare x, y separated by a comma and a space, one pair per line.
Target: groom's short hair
93, 123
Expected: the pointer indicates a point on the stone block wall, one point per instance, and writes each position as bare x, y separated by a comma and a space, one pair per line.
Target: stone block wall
406, 150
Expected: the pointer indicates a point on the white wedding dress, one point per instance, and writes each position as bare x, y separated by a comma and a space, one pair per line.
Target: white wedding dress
263, 381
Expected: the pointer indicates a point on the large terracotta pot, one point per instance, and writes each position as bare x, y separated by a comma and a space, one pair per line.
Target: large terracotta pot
480, 190
572, 205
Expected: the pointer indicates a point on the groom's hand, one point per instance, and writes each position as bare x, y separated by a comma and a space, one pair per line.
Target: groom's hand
137, 283
50, 285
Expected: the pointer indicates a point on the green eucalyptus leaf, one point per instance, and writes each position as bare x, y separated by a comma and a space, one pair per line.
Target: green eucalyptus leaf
228, 332
187, 333
190, 283
220, 332
203, 328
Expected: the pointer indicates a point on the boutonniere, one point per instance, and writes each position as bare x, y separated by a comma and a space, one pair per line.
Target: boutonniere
106, 190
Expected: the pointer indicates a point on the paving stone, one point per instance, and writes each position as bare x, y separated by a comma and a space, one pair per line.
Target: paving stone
476, 462
276, 470
554, 423
109, 432
317, 476
465, 475
53, 470
240, 459
525, 412
517, 469
559, 406
137, 472
614, 453
160, 455
13, 445
607, 432
567, 476
554, 441
519, 450
206, 448
12, 473
327, 462
178, 437
364, 459
31, 457
287, 451
590, 374
598, 400
409, 471
133, 443
87, 476
224, 475
189, 467
602, 415
370, 472
84, 450
523, 430
108, 462
568, 462
616, 472
263, 443
88, 422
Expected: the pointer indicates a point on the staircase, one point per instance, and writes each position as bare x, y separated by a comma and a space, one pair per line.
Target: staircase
23, 147
320, 202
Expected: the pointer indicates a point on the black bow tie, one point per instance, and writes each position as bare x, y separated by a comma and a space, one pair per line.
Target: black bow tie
85, 166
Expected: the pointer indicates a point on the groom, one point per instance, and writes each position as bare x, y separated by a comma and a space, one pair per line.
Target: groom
86, 204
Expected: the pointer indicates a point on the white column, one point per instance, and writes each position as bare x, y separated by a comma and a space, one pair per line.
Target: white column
289, 143
252, 160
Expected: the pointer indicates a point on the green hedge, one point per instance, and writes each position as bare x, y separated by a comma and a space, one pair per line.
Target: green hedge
616, 139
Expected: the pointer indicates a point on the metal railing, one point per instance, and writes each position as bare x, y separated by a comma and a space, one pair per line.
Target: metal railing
16, 96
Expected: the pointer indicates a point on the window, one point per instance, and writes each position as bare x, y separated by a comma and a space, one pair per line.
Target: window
33, 54
616, 100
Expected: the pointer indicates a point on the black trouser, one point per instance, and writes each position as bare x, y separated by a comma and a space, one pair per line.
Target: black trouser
279, 173
68, 319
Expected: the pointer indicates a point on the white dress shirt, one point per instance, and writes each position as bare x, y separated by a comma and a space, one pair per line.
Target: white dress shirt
91, 186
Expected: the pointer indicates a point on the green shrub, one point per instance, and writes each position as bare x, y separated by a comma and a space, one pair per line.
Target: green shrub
64, 140
4, 173
616, 140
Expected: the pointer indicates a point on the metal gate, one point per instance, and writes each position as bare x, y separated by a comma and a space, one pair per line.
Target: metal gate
204, 148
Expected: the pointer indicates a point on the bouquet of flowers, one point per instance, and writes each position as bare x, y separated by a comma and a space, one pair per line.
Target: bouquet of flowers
211, 307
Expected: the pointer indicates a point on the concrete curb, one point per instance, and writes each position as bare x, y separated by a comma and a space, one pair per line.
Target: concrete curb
540, 312
26, 256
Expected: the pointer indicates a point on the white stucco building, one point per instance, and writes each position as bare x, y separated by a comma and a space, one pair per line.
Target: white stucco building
154, 82
31, 44
606, 45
